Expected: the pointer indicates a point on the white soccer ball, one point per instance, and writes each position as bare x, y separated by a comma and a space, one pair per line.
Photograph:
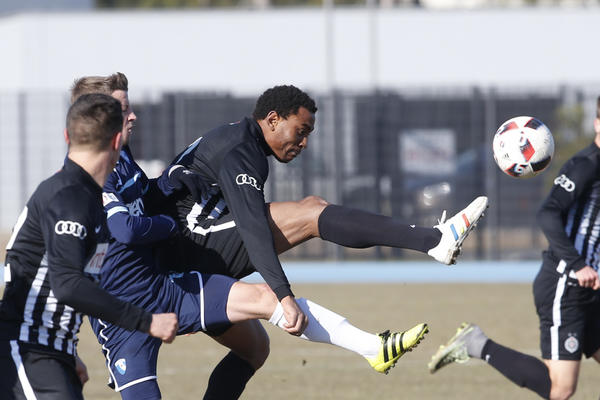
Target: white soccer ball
523, 147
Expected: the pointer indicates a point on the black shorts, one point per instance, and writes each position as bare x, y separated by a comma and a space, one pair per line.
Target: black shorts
569, 315
31, 372
214, 247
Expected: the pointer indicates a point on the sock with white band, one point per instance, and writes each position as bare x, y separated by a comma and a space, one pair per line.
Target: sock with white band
325, 326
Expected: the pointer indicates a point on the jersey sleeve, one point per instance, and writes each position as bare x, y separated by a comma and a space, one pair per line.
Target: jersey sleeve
69, 233
242, 186
133, 227
157, 194
574, 180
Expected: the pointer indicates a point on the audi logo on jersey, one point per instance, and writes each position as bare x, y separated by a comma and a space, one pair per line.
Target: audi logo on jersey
565, 183
245, 179
70, 228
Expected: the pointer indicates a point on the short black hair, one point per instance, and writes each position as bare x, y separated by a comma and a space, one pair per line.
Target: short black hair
284, 100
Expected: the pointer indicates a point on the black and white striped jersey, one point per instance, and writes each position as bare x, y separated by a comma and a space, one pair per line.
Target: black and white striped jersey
57, 245
233, 158
570, 215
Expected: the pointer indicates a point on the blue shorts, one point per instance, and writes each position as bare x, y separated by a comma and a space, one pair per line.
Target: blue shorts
200, 302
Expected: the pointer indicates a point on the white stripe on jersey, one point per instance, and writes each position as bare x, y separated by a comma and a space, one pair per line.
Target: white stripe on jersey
11, 241
18, 225
16, 356
32, 297
71, 343
591, 256
198, 208
65, 320
556, 317
49, 310
213, 228
190, 148
584, 225
217, 210
115, 210
570, 220
46, 324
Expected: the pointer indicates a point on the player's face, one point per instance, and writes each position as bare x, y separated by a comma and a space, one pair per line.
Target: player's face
291, 134
129, 116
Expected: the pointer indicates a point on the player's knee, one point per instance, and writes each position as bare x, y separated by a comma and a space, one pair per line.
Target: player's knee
562, 391
256, 349
262, 351
265, 295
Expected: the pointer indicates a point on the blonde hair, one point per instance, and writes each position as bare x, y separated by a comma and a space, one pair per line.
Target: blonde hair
98, 84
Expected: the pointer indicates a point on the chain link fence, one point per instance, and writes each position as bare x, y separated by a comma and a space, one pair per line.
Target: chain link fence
409, 154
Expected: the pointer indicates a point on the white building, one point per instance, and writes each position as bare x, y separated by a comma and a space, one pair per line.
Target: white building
246, 51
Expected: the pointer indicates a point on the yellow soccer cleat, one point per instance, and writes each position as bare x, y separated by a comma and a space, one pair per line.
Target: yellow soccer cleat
454, 351
393, 346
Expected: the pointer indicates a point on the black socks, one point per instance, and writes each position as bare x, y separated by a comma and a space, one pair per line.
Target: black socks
522, 369
359, 229
229, 378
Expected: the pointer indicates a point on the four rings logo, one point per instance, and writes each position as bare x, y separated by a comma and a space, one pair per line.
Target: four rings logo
565, 183
245, 179
70, 228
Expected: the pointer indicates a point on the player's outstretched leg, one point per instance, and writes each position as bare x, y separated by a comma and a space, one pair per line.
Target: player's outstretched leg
381, 351
295, 222
521, 369
468, 336
395, 345
456, 229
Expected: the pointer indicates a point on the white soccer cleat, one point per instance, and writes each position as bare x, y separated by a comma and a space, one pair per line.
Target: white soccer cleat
456, 229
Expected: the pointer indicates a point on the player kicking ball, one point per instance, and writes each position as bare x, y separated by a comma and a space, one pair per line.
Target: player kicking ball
218, 305
233, 249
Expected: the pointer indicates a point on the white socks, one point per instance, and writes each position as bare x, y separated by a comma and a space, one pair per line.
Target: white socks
325, 326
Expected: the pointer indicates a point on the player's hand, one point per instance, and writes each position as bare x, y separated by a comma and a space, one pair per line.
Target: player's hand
588, 278
180, 177
164, 326
296, 321
81, 370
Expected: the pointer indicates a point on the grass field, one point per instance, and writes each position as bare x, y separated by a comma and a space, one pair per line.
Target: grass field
297, 369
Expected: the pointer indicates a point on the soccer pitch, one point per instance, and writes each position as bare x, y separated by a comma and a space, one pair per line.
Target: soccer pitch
297, 369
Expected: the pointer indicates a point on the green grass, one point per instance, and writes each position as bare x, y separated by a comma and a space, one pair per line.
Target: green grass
297, 369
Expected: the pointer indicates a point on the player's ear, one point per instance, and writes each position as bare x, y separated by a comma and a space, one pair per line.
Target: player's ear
272, 119
597, 126
66, 135
115, 143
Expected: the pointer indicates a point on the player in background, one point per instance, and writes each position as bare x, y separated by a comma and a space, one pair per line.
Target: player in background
565, 290
57, 244
235, 232
214, 304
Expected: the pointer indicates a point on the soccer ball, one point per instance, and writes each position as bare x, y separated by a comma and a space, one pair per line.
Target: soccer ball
523, 147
